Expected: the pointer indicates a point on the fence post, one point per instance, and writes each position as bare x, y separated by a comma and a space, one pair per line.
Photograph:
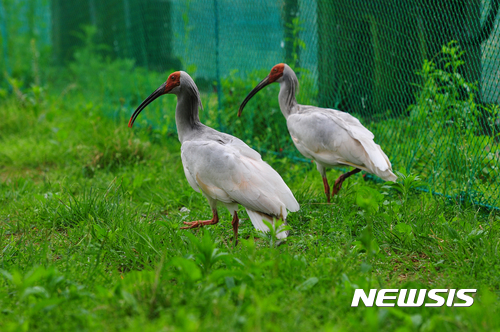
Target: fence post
217, 67
3, 28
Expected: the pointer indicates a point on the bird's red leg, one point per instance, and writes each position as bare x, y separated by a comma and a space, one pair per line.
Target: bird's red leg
327, 189
338, 183
235, 224
199, 223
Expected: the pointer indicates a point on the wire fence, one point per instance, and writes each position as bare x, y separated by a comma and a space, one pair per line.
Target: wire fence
433, 104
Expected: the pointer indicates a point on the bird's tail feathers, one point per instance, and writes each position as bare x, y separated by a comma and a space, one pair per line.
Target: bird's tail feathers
375, 154
381, 165
257, 222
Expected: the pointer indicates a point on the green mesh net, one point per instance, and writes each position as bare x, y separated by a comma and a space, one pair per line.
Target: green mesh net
423, 75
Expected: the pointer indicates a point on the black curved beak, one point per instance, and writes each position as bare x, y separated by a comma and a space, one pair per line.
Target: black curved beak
158, 92
252, 93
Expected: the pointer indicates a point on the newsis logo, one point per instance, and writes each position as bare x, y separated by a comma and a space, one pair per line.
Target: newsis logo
412, 300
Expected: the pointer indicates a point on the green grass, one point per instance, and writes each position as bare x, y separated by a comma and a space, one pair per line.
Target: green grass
90, 213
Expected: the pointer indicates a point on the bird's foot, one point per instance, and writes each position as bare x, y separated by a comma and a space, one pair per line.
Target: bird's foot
199, 223
338, 183
337, 186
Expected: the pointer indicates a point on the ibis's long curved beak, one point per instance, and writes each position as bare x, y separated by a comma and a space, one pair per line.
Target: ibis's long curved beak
252, 93
158, 92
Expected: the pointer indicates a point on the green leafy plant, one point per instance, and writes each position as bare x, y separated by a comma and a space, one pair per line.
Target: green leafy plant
368, 199
295, 27
275, 228
208, 254
446, 99
449, 138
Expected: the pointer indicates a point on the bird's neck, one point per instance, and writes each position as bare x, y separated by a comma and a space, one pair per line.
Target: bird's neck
288, 88
186, 116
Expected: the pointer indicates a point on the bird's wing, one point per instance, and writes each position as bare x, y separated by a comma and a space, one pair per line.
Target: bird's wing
323, 139
228, 170
333, 137
349, 123
189, 176
357, 131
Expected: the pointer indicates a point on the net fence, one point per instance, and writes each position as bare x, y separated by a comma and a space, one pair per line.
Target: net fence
422, 75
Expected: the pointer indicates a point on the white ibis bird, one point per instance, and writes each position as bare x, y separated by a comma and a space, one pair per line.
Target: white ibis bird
222, 167
330, 137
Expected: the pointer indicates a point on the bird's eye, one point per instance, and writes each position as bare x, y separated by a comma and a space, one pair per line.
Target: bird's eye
172, 78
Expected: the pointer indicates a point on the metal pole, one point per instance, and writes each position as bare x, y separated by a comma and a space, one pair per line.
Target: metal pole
217, 67
128, 25
93, 15
3, 31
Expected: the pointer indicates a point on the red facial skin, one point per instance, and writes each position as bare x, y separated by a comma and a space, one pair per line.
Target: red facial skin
173, 80
276, 72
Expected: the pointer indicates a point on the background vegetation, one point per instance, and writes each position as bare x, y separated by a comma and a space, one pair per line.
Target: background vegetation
90, 214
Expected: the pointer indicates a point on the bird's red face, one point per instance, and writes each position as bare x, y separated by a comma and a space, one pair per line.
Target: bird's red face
276, 72
174, 80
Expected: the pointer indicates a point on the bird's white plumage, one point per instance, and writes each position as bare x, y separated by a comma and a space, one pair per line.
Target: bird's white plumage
227, 170
258, 222
337, 139
330, 137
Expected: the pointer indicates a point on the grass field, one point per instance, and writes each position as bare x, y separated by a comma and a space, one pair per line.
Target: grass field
90, 213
